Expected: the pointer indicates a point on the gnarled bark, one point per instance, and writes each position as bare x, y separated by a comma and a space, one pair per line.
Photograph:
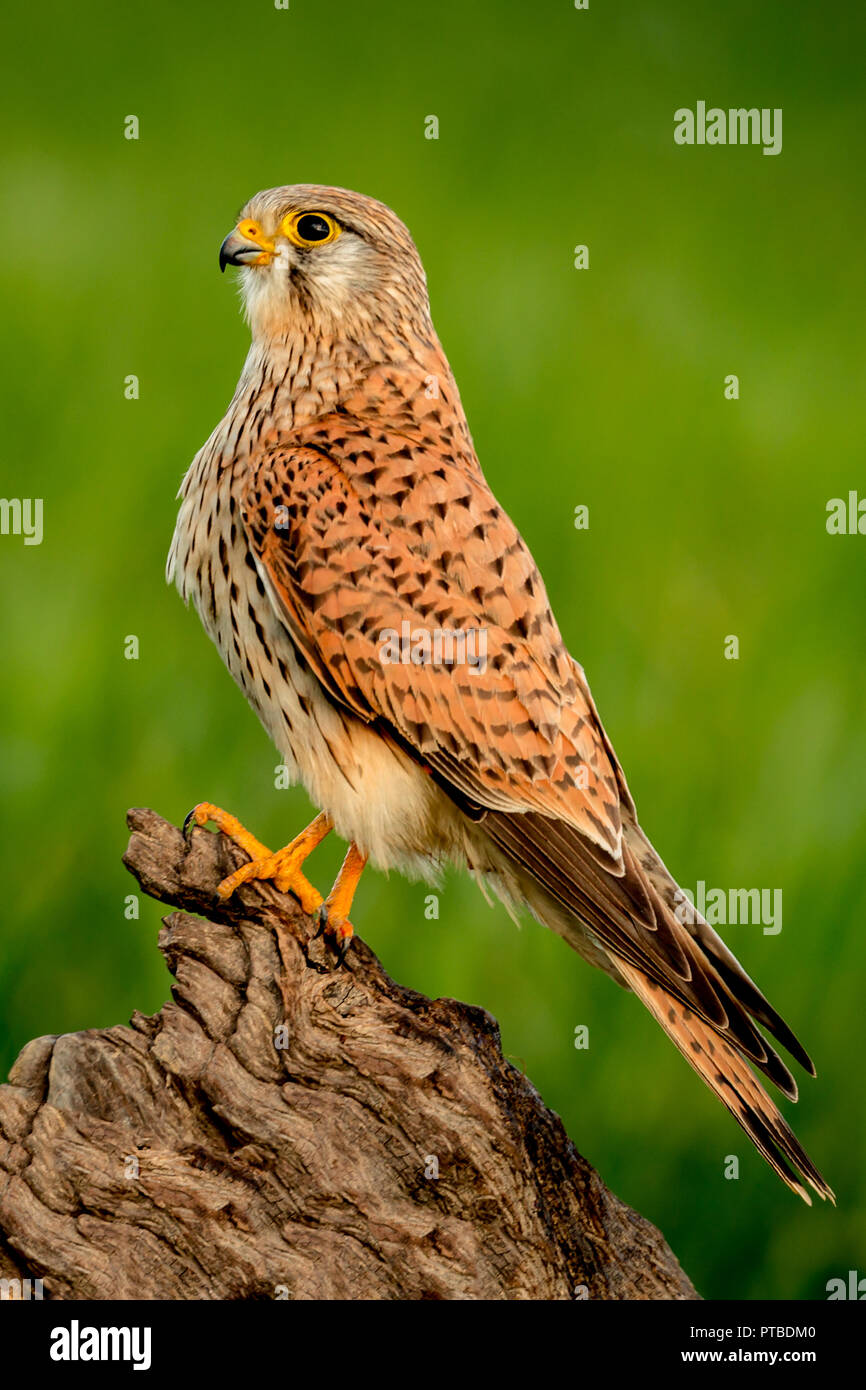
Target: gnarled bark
288, 1128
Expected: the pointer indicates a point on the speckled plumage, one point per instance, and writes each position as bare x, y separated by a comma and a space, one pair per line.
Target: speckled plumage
341, 498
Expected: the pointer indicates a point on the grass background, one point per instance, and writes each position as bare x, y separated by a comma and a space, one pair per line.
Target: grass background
603, 387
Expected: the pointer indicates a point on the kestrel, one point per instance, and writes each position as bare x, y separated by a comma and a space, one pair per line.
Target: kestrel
346, 555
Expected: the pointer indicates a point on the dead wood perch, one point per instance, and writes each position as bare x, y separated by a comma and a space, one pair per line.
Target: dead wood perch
276, 1131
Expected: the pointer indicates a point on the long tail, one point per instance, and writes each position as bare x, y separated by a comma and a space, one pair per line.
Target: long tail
736, 1086
681, 970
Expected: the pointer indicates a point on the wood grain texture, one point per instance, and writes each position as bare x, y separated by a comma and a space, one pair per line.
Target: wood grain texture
187, 1156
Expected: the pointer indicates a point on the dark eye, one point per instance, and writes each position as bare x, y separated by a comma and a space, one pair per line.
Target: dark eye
313, 227
310, 228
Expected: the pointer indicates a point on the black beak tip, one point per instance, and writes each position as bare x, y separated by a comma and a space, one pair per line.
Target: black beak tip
227, 252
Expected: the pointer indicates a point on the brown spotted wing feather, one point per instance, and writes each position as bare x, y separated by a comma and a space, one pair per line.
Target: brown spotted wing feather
355, 544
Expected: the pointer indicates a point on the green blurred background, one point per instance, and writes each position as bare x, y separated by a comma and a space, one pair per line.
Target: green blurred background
603, 387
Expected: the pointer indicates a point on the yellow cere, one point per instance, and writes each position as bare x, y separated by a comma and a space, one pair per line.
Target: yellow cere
251, 231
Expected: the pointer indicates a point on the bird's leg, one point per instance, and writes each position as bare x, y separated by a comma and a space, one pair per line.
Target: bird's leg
334, 911
284, 867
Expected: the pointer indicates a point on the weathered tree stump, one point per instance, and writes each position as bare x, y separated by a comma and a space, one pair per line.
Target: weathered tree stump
286, 1127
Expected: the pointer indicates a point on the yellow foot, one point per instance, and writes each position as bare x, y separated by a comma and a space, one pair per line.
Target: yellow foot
282, 868
333, 912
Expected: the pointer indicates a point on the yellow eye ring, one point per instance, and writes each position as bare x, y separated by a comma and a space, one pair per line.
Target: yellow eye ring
310, 228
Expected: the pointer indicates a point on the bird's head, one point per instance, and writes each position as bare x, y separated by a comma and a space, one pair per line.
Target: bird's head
325, 260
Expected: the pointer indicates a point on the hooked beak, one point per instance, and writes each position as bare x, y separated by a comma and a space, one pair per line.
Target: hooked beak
239, 249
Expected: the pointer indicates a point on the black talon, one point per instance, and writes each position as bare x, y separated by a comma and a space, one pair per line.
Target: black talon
342, 949
188, 826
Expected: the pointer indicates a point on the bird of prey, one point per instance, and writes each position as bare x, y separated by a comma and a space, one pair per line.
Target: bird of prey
340, 503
